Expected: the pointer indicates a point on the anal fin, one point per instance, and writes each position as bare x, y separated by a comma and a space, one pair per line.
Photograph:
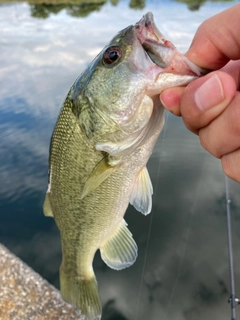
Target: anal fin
120, 250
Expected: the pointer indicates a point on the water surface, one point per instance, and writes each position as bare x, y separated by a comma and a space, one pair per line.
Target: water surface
182, 269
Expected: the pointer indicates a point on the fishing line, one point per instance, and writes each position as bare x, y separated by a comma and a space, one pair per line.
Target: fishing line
232, 300
184, 249
151, 218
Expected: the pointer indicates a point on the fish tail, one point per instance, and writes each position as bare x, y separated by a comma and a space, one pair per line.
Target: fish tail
83, 294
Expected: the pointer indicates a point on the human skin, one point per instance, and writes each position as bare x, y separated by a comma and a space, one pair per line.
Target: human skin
210, 105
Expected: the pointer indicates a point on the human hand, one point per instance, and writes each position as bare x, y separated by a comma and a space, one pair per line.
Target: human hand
210, 105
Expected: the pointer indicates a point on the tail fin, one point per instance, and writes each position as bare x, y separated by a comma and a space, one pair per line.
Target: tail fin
83, 294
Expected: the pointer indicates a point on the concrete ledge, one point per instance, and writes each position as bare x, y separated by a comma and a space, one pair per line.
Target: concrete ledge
24, 294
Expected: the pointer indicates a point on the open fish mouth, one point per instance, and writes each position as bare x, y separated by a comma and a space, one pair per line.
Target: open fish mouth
159, 50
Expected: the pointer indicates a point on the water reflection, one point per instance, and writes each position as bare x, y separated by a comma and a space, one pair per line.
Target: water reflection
181, 272
82, 8
76, 10
111, 313
195, 5
137, 4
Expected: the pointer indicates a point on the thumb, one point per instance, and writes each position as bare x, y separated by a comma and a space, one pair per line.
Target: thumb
206, 98
202, 100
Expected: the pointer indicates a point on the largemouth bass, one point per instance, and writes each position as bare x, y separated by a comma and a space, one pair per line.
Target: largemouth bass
102, 140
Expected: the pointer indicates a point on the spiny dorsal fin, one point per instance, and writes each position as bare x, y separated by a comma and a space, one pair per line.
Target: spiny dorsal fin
100, 173
141, 195
120, 250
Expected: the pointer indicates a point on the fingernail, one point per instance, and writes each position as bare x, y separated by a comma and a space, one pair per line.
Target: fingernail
209, 94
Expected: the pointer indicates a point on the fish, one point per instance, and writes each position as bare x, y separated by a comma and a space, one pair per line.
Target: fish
104, 135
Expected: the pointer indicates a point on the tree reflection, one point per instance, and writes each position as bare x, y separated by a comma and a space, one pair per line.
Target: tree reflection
114, 2
194, 5
44, 10
137, 4
110, 311
82, 8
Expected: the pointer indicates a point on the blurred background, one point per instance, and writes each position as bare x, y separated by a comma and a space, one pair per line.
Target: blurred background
182, 269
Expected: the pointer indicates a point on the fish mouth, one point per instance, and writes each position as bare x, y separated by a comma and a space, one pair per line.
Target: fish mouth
159, 50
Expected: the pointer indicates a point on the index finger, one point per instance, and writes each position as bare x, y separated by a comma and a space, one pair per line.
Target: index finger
217, 40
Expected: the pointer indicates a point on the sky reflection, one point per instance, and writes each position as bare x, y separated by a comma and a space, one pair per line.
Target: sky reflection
181, 272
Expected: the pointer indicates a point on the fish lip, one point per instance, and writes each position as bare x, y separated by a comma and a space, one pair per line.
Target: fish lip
147, 29
153, 42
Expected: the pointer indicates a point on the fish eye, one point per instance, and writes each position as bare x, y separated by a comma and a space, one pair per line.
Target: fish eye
112, 55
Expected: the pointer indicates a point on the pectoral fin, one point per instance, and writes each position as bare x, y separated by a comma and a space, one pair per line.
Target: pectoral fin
47, 207
100, 173
141, 195
121, 147
120, 251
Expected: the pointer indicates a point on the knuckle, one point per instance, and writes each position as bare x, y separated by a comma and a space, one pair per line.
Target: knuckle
207, 142
234, 116
230, 165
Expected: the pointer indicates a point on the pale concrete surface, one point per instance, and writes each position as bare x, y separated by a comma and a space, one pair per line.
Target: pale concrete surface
25, 295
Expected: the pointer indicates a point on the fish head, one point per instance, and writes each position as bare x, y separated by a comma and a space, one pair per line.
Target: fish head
117, 94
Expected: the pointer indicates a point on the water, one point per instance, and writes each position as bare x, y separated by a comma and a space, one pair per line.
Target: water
182, 269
